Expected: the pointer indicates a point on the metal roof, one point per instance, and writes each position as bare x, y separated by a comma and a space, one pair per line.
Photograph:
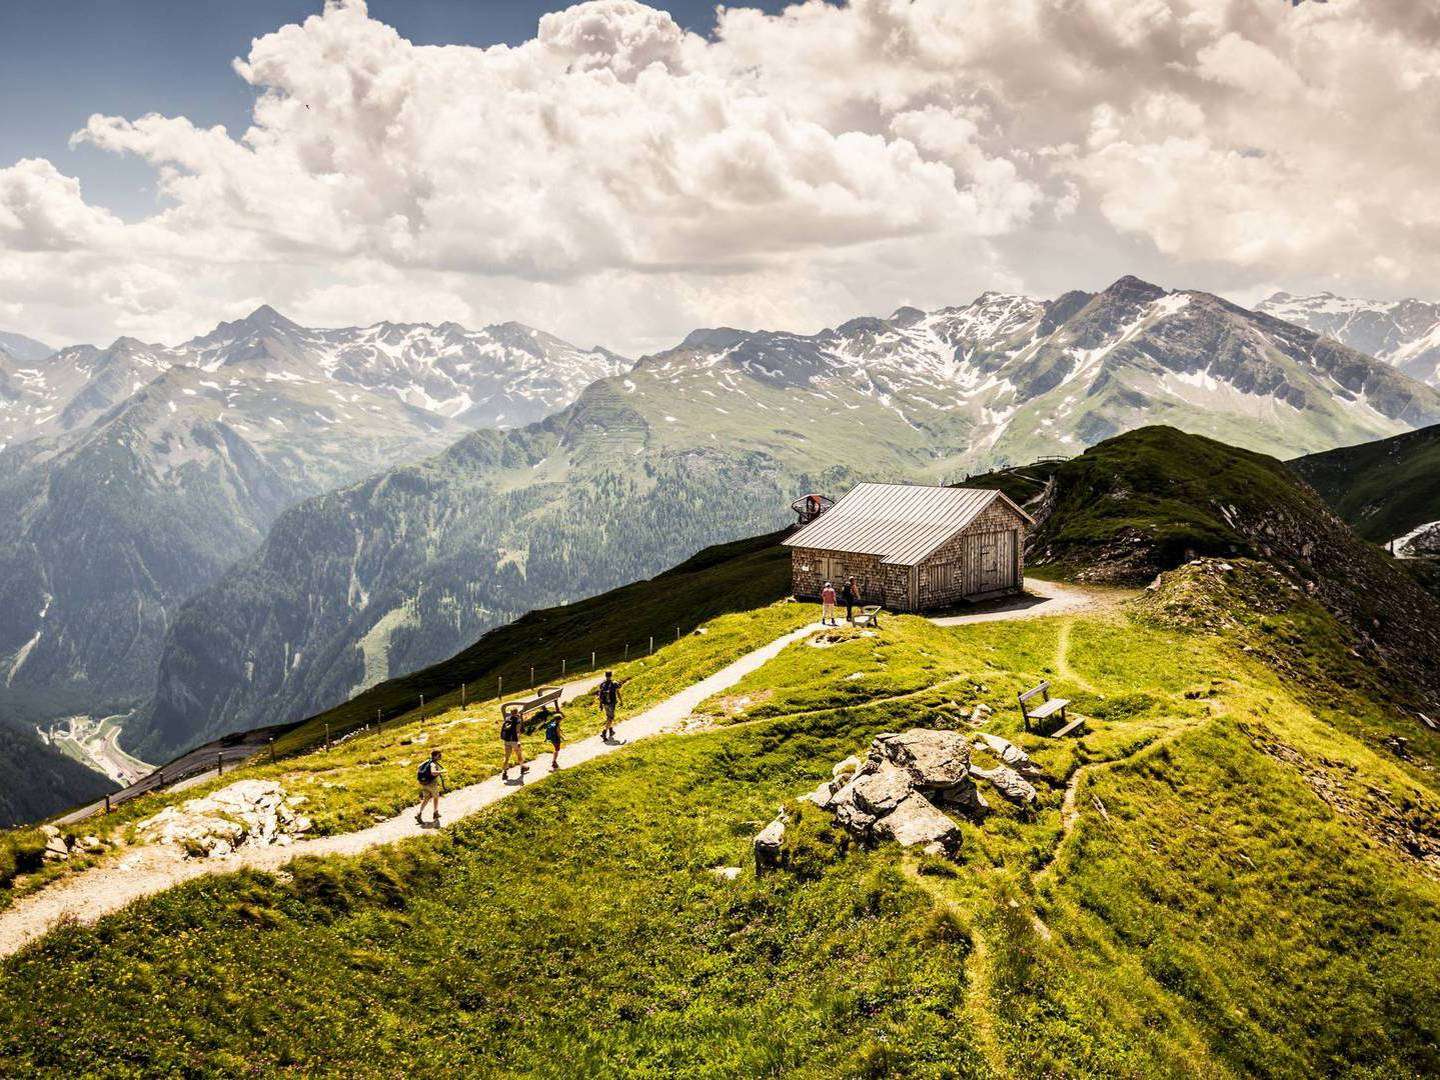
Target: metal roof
901, 523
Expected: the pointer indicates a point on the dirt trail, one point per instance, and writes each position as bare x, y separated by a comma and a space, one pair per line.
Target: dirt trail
1042, 599
153, 868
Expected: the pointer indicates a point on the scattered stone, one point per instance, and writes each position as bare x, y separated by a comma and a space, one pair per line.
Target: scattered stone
50, 830
1009, 783
934, 760
56, 850
767, 844
726, 873
253, 812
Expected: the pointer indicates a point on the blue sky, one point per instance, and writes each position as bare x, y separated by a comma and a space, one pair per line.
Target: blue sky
62, 60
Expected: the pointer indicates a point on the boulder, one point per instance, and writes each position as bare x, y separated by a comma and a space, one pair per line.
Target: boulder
879, 792
767, 845
935, 760
916, 820
843, 770
1009, 783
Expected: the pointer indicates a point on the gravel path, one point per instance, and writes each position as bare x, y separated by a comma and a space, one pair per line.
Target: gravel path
1041, 599
153, 868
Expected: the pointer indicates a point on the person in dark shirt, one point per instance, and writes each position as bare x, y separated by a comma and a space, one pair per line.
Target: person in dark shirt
609, 695
850, 596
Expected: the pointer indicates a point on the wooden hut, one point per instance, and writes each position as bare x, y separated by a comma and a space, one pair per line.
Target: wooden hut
914, 548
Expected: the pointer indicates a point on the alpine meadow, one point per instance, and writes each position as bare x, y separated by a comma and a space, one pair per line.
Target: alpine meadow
816, 538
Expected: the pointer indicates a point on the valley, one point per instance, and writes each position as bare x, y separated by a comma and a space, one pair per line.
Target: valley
95, 742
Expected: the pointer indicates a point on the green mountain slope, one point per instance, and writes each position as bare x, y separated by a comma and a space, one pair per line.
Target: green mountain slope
37, 780
1384, 489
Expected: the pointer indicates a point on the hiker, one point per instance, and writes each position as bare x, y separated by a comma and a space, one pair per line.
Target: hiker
552, 736
827, 604
510, 736
430, 775
609, 695
850, 596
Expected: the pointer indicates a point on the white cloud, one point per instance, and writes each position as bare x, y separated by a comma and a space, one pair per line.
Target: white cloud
618, 179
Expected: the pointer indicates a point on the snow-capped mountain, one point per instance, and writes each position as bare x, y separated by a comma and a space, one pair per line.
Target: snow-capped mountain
709, 441
22, 348
500, 376
137, 473
1405, 333
1008, 377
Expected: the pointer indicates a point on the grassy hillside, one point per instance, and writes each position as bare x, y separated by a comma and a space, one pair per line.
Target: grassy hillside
578, 929
1152, 499
1383, 489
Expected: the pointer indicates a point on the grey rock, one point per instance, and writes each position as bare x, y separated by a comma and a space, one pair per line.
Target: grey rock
880, 792
1009, 783
933, 760
916, 820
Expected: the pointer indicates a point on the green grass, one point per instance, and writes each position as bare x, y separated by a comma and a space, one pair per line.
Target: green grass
1233, 900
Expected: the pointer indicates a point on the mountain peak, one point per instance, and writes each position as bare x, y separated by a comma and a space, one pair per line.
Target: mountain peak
1133, 287
265, 316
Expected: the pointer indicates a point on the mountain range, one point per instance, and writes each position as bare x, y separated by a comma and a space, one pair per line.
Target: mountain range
135, 474
1405, 333
709, 441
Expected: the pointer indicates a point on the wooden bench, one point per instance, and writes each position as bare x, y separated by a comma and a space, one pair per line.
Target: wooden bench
869, 616
544, 698
1046, 709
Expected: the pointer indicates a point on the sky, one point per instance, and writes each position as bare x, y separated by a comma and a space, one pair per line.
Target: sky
620, 173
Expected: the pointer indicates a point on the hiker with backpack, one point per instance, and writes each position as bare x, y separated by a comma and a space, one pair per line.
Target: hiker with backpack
552, 735
510, 736
430, 775
609, 696
827, 604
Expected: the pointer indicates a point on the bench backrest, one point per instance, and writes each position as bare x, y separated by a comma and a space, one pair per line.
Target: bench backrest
544, 697
1042, 688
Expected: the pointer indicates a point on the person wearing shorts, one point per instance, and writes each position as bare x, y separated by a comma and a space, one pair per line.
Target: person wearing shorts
609, 696
510, 736
827, 604
430, 776
552, 736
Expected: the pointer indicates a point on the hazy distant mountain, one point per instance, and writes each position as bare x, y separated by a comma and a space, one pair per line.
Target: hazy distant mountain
501, 376
1405, 333
138, 473
709, 441
24, 349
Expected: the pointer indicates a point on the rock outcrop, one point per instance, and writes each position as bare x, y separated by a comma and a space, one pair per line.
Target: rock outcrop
254, 812
895, 793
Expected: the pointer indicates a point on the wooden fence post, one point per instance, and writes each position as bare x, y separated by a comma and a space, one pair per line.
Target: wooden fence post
562, 669
327, 736
532, 676
107, 804
462, 695
272, 749
220, 764
592, 659
652, 643
677, 633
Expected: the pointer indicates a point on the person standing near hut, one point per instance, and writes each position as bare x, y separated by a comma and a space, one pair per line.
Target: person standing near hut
850, 596
827, 604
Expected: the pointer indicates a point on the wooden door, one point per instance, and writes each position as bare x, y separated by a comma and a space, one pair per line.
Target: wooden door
994, 561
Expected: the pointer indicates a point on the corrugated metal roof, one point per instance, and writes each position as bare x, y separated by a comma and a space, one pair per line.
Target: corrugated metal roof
901, 523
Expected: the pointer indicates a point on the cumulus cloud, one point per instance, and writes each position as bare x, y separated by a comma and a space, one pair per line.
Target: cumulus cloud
618, 179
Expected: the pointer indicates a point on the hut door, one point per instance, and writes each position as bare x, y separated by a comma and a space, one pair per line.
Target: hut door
997, 561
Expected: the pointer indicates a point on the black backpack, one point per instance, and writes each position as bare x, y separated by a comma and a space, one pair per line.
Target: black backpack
608, 689
510, 728
426, 773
